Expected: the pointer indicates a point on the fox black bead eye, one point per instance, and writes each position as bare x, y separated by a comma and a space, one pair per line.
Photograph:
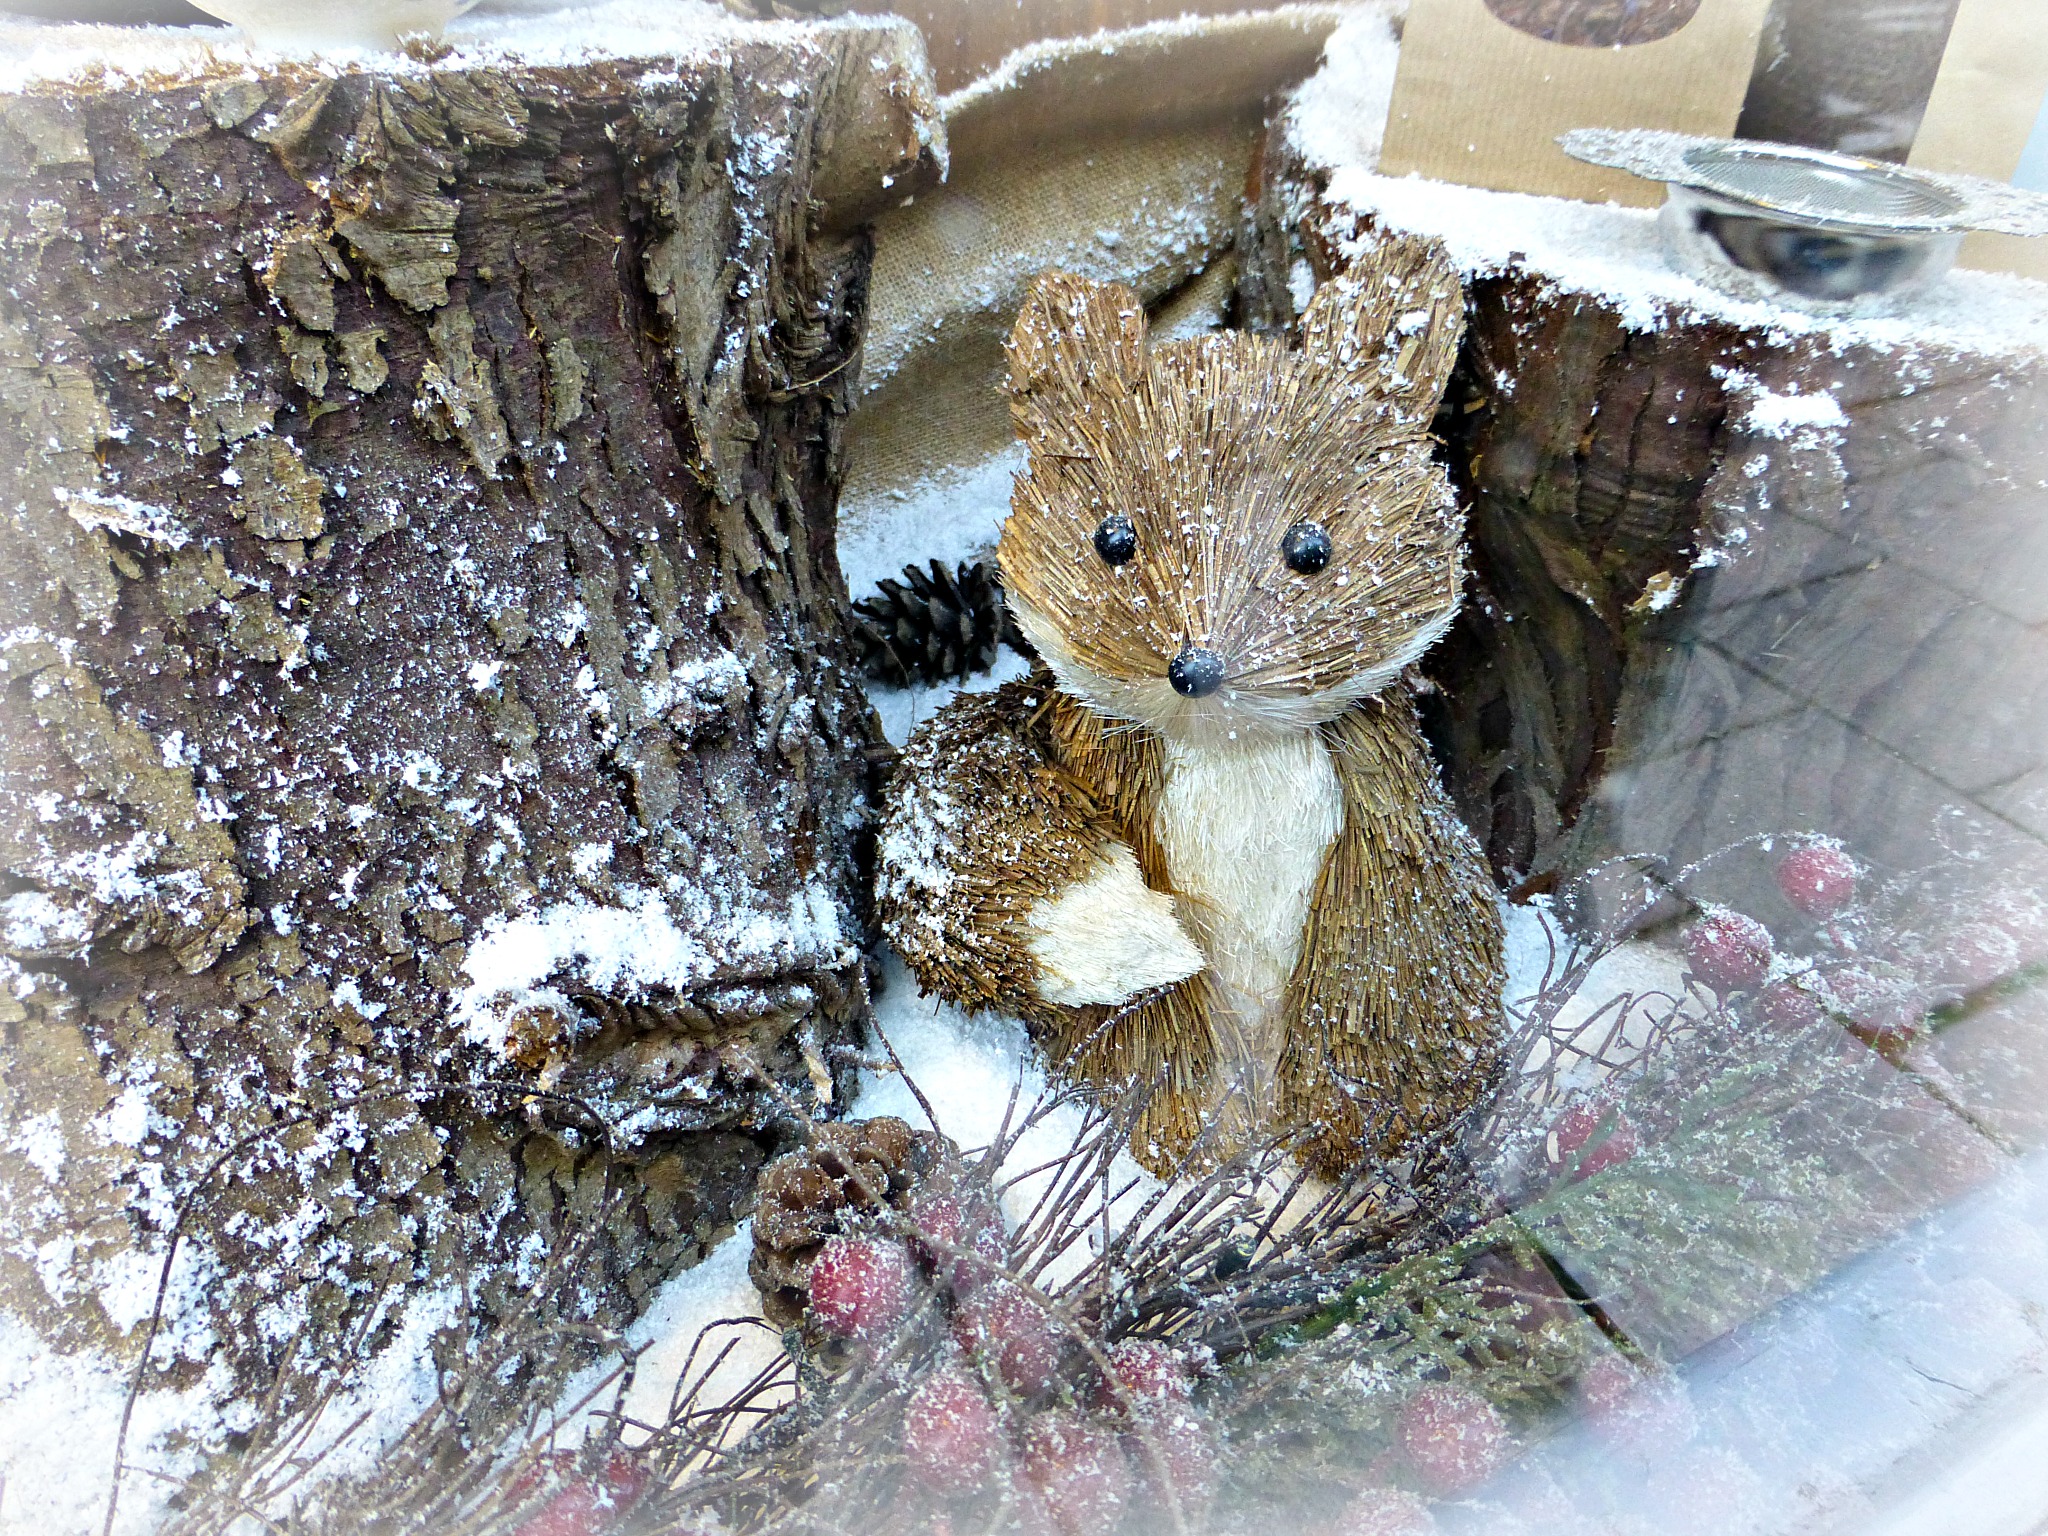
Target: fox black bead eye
1305, 548
1117, 539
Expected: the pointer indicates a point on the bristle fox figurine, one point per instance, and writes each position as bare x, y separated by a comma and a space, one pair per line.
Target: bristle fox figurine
1203, 852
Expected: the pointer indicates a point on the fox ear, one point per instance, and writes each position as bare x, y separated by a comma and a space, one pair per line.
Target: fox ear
1391, 323
1076, 344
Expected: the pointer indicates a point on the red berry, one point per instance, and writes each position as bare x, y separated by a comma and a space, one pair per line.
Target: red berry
1819, 879
961, 1223
1728, 950
1183, 1442
1008, 1327
1787, 1006
1079, 1470
952, 1437
1643, 1411
862, 1287
1148, 1372
1453, 1438
1385, 1512
584, 1506
1590, 1138
1882, 1006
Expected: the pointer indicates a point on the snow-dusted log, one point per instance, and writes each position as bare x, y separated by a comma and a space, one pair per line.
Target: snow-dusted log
425, 731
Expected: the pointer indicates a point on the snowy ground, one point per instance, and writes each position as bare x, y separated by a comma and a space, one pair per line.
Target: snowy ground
1908, 1395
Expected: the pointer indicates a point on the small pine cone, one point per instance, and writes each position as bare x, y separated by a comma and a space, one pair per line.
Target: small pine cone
829, 1188
936, 625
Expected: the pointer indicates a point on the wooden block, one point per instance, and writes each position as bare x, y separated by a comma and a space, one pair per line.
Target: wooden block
1481, 99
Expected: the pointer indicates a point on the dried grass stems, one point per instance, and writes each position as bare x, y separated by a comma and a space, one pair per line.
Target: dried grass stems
1214, 448
272, 1480
1318, 1308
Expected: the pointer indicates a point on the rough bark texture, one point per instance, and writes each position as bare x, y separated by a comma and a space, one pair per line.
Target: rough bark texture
418, 538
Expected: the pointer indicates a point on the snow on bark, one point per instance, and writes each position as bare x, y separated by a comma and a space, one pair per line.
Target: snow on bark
417, 575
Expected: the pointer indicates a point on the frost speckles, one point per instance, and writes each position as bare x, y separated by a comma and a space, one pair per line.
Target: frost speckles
570, 624
919, 846
638, 946
122, 514
420, 771
32, 923
128, 1121
698, 686
349, 994
40, 1141
110, 875
1785, 415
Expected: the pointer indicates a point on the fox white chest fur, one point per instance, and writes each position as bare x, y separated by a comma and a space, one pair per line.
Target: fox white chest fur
1246, 827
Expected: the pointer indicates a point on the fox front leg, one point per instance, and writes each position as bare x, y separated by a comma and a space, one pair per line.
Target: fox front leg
1002, 886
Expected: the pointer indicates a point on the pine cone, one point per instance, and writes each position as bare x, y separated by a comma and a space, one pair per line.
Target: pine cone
828, 1188
933, 626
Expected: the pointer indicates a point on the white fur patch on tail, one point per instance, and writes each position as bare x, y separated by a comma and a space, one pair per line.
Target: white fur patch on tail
1109, 937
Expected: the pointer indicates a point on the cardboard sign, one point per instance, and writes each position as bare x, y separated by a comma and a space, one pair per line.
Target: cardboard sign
1988, 116
1486, 86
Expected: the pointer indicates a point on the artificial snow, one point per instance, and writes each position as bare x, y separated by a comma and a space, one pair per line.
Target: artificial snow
635, 947
903, 710
1338, 116
975, 1070
715, 1295
1050, 53
1614, 254
32, 923
1786, 415
507, 33
123, 514
1336, 121
954, 515
59, 1416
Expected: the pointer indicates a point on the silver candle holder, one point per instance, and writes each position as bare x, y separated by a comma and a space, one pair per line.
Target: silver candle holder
1821, 231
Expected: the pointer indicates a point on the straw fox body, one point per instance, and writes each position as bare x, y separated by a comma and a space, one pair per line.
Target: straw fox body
1203, 850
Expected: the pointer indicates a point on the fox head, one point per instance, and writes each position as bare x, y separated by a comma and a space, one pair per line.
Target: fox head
1224, 536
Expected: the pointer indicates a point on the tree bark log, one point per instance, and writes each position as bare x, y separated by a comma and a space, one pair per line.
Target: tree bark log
432, 781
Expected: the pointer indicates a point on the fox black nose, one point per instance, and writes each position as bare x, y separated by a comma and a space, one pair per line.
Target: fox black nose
1196, 672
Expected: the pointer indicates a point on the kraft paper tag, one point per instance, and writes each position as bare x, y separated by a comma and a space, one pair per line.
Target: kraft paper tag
1478, 99
1988, 116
